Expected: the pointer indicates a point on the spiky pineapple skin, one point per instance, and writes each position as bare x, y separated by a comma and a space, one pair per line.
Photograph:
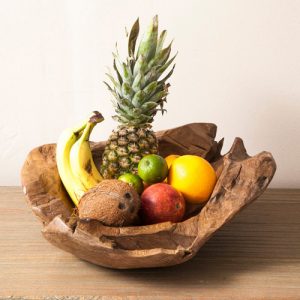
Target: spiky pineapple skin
126, 146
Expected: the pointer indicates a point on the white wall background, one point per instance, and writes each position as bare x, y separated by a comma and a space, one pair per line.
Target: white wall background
238, 66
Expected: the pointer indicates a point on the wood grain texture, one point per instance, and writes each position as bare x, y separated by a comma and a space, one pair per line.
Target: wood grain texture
255, 256
241, 179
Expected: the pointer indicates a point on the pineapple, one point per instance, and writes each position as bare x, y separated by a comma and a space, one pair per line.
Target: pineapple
139, 93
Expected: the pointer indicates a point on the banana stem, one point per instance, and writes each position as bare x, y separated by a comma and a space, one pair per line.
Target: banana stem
82, 131
78, 131
89, 126
87, 131
96, 117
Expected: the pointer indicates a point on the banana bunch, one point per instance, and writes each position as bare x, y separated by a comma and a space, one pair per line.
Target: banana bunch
74, 159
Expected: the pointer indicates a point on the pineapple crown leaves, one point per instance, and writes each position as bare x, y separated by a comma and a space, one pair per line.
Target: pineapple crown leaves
138, 90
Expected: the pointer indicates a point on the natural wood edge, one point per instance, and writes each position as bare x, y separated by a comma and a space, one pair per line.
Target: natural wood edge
243, 179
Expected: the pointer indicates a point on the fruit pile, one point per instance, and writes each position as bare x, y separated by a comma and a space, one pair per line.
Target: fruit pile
133, 184
170, 183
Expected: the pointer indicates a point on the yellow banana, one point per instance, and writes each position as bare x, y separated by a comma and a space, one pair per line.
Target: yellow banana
81, 159
65, 142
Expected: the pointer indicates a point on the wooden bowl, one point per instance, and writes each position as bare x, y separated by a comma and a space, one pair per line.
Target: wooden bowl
241, 179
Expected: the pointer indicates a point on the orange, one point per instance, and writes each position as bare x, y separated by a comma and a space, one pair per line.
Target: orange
194, 177
169, 159
152, 168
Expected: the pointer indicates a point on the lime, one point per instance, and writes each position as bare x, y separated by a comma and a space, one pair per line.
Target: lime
134, 180
153, 168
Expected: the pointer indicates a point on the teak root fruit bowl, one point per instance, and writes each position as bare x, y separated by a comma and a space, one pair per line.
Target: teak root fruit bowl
241, 179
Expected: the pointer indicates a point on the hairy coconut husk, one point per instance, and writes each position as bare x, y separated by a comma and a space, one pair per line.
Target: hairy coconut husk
112, 202
241, 179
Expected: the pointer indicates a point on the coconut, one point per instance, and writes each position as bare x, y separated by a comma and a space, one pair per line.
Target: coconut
112, 202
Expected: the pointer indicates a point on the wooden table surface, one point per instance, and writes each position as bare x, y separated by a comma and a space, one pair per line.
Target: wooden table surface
256, 256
